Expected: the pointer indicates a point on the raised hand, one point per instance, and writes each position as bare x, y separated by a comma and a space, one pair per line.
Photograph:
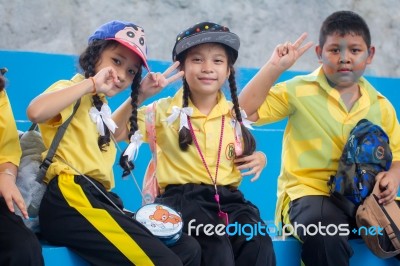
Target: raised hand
285, 55
106, 79
154, 82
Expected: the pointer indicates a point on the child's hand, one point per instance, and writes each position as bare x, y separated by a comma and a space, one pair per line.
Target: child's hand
106, 79
154, 82
285, 55
255, 163
10, 192
389, 185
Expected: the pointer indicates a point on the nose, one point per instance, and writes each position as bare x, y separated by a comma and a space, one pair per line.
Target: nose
206, 67
121, 76
344, 58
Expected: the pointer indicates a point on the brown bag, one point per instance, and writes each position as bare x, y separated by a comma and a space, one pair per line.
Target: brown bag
382, 218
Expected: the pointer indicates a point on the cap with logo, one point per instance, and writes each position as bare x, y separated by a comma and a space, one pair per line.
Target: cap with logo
127, 34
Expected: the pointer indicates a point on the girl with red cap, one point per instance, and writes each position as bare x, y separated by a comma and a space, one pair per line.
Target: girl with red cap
78, 210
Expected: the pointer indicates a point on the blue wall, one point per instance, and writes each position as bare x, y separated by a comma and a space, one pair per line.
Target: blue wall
30, 73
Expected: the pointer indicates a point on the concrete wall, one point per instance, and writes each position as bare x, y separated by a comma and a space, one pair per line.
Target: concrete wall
62, 26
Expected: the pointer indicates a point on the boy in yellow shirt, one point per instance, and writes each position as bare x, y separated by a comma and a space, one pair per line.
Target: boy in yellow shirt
322, 108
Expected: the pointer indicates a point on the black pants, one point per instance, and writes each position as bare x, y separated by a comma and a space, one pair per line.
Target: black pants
75, 214
18, 244
196, 202
328, 248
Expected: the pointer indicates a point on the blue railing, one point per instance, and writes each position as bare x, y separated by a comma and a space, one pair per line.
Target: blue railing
30, 73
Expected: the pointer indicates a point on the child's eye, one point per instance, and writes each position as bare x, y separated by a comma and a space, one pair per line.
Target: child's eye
132, 72
335, 50
117, 61
196, 60
219, 61
354, 51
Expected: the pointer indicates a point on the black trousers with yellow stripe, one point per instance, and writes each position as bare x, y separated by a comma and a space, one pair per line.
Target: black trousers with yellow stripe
75, 214
18, 244
200, 210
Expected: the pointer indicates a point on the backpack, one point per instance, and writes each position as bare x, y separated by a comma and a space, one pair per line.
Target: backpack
150, 188
365, 154
32, 169
384, 238
28, 181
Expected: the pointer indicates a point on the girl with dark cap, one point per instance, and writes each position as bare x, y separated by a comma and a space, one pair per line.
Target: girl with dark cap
202, 145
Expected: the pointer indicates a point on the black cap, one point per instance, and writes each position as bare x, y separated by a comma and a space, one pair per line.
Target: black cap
205, 32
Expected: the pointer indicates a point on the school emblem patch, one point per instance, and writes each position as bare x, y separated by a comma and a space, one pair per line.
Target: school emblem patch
230, 151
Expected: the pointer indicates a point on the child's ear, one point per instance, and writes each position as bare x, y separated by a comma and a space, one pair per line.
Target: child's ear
318, 51
371, 53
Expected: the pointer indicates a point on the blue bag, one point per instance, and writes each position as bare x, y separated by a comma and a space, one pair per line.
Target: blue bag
365, 154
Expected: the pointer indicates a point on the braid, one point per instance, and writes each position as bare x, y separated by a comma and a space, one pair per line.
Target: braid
185, 138
87, 61
126, 164
248, 139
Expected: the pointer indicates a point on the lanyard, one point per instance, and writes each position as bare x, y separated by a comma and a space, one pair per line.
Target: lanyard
221, 214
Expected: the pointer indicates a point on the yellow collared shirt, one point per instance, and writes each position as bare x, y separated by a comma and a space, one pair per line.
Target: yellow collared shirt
10, 150
178, 167
317, 129
79, 143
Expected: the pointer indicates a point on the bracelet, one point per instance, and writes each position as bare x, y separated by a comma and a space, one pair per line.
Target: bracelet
8, 172
94, 85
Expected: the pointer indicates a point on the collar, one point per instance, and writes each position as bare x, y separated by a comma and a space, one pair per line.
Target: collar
222, 107
318, 76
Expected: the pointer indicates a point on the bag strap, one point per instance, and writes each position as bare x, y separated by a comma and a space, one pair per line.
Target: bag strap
54, 144
150, 122
392, 213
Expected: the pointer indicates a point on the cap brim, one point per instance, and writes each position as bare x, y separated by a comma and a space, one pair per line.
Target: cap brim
228, 38
134, 49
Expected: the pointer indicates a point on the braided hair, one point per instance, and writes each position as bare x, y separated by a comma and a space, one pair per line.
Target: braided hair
127, 165
185, 138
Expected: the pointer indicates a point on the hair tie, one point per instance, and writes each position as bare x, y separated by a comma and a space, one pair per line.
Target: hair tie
183, 114
102, 117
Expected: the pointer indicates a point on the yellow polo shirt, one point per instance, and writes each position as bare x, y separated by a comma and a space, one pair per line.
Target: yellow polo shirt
178, 167
317, 129
10, 150
79, 143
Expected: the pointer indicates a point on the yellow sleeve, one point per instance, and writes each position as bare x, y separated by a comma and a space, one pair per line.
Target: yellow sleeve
10, 149
276, 105
392, 127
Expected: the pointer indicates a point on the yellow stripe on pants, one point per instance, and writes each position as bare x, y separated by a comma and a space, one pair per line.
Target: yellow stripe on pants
102, 221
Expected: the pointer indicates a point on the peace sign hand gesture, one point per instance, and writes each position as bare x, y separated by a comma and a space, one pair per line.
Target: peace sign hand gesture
285, 55
154, 82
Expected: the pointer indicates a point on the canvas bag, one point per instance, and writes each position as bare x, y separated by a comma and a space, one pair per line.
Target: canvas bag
32, 169
365, 154
150, 189
371, 213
